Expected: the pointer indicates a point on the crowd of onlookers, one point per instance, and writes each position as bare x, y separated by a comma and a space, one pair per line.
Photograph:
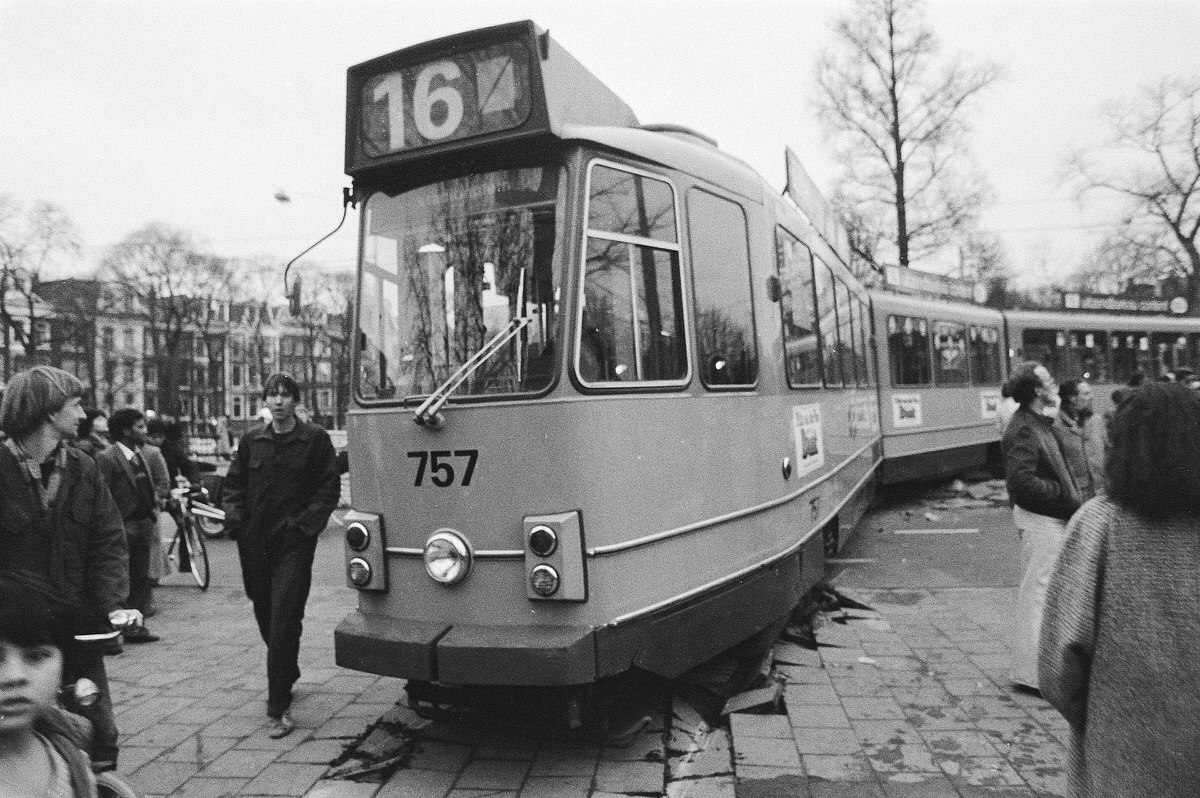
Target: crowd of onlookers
84, 497
1107, 628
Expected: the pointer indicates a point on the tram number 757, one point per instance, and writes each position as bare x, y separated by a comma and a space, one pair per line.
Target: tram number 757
441, 472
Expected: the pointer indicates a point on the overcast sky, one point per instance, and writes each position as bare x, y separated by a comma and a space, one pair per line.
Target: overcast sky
198, 113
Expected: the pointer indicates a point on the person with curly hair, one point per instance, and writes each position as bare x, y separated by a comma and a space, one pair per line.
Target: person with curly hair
1120, 645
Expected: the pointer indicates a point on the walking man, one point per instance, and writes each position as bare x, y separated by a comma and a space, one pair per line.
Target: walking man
280, 490
60, 523
129, 481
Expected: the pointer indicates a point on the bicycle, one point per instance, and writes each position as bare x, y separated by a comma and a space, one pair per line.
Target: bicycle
187, 548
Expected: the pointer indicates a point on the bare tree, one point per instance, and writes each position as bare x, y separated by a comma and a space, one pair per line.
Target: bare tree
1133, 253
1151, 158
162, 270
32, 240
898, 119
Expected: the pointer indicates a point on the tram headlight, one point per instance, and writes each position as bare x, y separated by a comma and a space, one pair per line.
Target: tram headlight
542, 540
359, 571
543, 580
357, 537
447, 557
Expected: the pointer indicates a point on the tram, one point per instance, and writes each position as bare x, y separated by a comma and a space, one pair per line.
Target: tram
614, 396
941, 366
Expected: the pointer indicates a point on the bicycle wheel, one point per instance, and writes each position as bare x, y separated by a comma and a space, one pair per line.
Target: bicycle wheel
198, 553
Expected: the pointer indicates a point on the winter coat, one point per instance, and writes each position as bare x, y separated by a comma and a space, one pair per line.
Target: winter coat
78, 544
1083, 446
67, 741
281, 487
1039, 479
1120, 652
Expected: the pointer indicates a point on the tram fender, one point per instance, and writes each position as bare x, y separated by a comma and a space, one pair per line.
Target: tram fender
387, 646
672, 643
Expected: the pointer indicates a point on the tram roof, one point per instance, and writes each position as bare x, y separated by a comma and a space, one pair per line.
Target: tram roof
675, 150
1132, 322
891, 301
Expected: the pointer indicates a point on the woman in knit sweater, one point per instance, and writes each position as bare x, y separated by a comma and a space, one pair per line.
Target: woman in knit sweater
1120, 644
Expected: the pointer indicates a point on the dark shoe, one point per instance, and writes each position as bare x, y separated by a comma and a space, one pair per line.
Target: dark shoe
281, 726
114, 647
140, 634
1025, 689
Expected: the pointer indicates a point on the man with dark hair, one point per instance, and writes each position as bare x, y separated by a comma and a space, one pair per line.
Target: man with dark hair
1081, 438
60, 522
128, 478
281, 487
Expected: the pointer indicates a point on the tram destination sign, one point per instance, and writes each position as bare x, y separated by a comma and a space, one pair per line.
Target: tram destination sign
498, 84
1110, 302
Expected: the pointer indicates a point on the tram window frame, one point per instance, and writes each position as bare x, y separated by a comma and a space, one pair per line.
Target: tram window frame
1164, 349
862, 337
798, 283
986, 356
639, 245
896, 329
846, 349
940, 371
1135, 342
1081, 354
1040, 344
833, 370
729, 274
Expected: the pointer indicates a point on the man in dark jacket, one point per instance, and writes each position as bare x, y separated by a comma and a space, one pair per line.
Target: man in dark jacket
127, 475
280, 490
60, 523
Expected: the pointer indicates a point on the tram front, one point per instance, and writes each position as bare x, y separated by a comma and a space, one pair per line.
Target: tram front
466, 543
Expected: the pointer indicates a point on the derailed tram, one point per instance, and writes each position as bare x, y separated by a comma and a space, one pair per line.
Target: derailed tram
613, 397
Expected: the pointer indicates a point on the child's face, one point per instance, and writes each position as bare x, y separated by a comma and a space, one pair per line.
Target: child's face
29, 681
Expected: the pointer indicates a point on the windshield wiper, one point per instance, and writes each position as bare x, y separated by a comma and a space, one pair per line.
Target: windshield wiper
427, 414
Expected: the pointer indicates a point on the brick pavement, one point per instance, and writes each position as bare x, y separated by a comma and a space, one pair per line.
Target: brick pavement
910, 699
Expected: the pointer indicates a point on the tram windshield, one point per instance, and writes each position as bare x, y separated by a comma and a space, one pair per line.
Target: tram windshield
448, 266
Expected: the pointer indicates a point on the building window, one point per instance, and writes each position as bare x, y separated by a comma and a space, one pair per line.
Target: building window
128, 339
106, 339
237, 407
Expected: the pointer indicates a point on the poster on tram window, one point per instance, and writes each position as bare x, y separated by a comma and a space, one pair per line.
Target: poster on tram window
989, 403
809, 438
906, 410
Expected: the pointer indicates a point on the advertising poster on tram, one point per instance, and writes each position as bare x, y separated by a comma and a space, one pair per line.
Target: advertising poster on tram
906, 410
809, 438
989, 403
863, 417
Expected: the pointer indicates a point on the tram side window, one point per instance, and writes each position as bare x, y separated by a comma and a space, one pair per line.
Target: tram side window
1087, 356
801, 345
1041, 346
862, 326
846, 335
1170, 352
985, 355
1130, 353
721, 288
908, 350
827, 327
950, 353
632, 320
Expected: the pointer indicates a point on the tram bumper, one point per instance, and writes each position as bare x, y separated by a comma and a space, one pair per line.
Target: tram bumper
510, 655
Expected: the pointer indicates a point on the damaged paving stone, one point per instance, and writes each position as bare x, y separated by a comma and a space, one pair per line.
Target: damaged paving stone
763, 696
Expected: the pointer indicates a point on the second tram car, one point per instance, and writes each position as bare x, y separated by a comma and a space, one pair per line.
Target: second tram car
613, 395
940, 369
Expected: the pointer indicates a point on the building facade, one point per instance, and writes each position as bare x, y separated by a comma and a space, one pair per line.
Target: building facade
203, 361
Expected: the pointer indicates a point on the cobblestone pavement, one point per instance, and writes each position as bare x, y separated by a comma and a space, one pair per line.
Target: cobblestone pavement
909, 698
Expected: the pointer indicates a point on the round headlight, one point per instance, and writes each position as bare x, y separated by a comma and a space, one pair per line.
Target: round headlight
360, 572
357, 536
542, 540
543, 580
447, 558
